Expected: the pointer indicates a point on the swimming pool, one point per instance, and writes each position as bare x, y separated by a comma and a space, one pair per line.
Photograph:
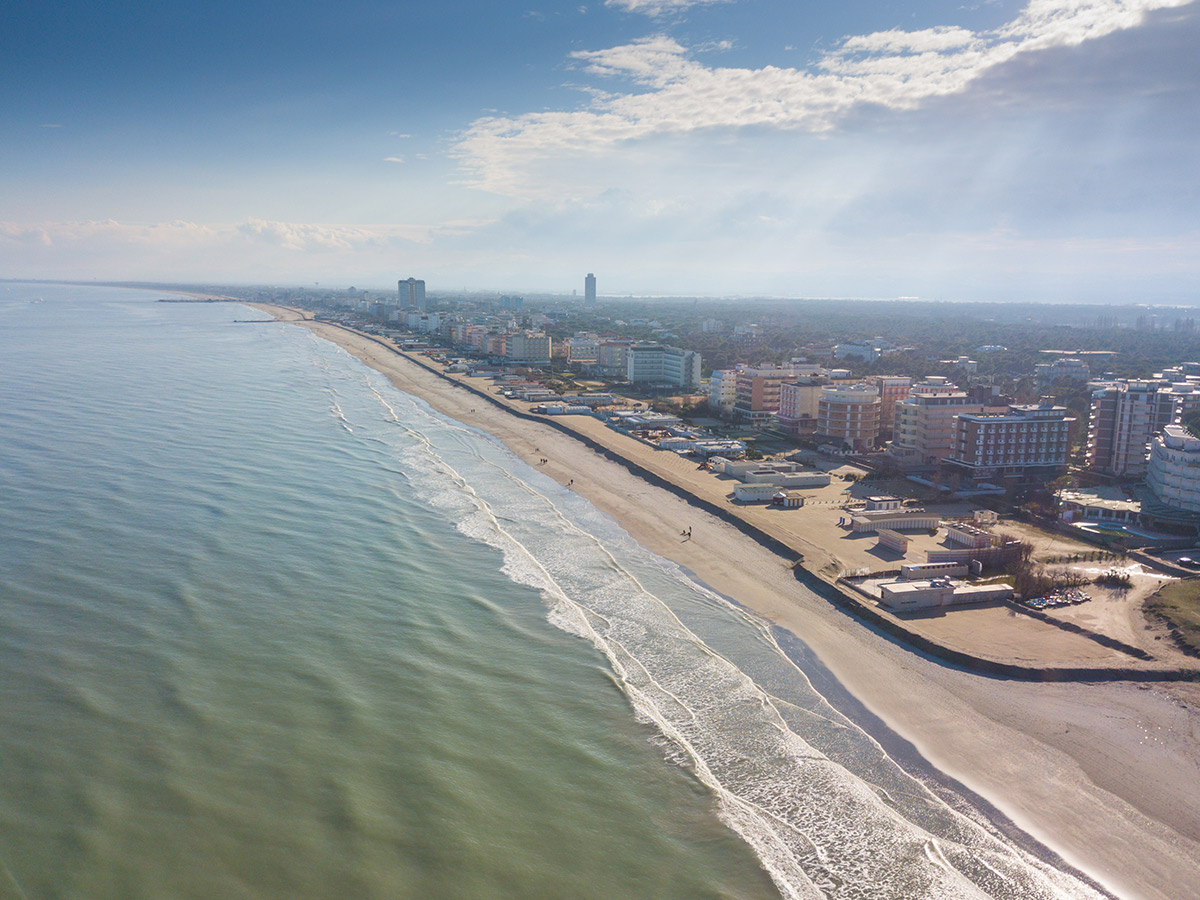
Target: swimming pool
1114, 529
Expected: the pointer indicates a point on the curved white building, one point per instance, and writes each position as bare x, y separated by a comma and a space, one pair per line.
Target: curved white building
1174, 470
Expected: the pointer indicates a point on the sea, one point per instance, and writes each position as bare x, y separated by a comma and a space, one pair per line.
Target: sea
271, 628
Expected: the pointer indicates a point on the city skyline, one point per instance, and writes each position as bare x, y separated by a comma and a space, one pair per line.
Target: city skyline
1037, 151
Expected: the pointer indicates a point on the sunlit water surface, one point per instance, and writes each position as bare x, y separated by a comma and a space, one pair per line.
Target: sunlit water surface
271, 628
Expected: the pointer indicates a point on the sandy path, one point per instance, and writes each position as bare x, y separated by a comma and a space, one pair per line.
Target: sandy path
1107, 775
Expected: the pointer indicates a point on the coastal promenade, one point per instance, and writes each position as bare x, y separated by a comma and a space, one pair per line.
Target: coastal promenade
1105, 774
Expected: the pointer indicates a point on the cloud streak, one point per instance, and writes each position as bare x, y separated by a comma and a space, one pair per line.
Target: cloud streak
657, 9
187, 249
671, 93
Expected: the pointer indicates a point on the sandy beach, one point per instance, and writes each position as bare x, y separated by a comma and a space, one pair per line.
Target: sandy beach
1106, 775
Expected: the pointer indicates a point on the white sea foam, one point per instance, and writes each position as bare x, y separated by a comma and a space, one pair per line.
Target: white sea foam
335, 409
821, 828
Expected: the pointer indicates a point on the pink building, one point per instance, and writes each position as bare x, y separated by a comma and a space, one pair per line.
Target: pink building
892, 389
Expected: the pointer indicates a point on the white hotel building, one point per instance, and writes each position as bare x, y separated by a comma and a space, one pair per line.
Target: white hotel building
722, 389
1174, 469
649, 363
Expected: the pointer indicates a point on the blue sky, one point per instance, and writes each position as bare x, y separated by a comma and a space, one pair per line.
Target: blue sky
1037, 151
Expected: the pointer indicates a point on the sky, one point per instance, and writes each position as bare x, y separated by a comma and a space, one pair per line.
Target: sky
977, 149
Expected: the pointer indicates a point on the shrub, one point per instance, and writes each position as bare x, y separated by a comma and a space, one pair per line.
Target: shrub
1114, 578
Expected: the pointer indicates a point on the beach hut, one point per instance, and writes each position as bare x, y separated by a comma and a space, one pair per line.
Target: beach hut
788, 500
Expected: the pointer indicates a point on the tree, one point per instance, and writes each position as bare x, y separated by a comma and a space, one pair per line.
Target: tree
1062, 483
1191, 421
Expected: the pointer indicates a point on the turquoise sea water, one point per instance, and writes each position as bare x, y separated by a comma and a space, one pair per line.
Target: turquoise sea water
271, 628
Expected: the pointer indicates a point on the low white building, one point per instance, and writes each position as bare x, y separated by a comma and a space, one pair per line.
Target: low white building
719, 447
927, 571
864, 351
894, 520
882, 502
968, 535
781, 473
1098, 504
905, 595
755, 493
420, 322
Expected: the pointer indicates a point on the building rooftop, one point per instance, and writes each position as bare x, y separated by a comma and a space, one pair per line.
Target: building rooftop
1100, 498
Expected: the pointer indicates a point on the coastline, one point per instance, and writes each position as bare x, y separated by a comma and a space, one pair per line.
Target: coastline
1094, 771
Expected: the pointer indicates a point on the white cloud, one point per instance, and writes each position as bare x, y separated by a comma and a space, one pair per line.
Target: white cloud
655, 61
929, 39
395, 159
674, 94
659, 8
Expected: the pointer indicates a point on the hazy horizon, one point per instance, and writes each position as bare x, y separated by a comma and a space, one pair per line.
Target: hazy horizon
1038, 151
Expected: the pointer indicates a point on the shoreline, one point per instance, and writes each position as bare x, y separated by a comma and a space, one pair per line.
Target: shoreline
842, 594
1066, 763
906, 755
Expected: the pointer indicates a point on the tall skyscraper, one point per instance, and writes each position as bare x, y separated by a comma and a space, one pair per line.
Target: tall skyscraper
589, 290
412, 293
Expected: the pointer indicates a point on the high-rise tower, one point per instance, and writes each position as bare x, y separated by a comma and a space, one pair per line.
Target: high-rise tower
589, 290
412, 293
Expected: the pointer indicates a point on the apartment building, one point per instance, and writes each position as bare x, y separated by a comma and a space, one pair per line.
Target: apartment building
798, 404
648, 363
1026, 443
1124, 417
892, 389
411, 293
848, 414
757, 390
722, 390
582, 348
612, 357
528, 348
924, 422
